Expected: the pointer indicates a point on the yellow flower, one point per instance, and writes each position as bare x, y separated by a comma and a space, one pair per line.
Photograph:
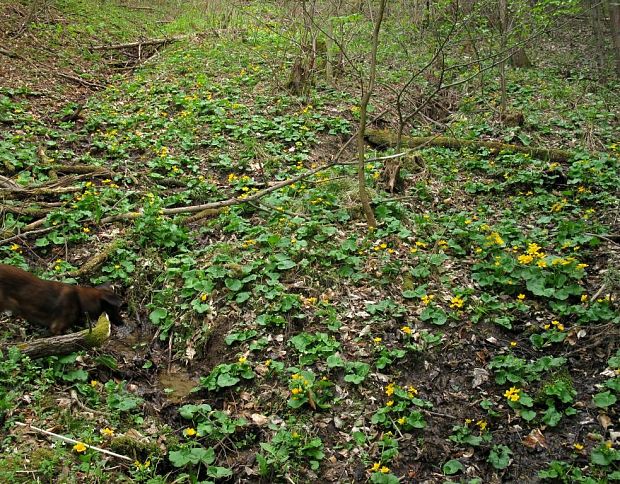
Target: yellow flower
541, 263
513, 343
482, 424
584, 298
406, 330
402, 420
390, 403
108, 432
242, 359
513, 394
296, 376
296, 391
560, 327
495, 238
203, 297
582, 266
525, 259
14, 247
468, 421
80, 447
521, 297
375, 467
412, 391
377, 340
457, 302
94, 383
578, 446
427, 299
384, 470
389, 390
189, 432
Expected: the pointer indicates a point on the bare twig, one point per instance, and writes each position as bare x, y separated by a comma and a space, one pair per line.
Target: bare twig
72, 441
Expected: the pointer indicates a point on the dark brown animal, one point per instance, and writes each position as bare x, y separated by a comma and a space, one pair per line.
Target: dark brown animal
55, 305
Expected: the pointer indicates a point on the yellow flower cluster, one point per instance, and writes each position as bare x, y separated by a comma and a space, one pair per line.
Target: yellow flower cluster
377, 467
303, 384
426, 299
495, 238
556, 324
457, 302
513, 394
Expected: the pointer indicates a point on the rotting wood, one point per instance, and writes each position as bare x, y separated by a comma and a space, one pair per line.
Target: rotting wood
386, 138
67, 343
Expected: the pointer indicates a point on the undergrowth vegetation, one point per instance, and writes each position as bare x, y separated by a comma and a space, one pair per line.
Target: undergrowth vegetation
471, 337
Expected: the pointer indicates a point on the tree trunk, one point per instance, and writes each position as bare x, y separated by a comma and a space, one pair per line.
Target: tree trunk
503, 34
361, 147
614, 24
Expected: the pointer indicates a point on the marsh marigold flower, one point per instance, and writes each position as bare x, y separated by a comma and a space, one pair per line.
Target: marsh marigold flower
513, 394
80, 447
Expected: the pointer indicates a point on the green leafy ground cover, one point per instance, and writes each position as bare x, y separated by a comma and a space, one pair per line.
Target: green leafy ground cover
465, 339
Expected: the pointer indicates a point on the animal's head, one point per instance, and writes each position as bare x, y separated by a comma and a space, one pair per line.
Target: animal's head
97, 300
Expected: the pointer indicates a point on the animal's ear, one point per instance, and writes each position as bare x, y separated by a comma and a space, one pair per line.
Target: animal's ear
111, 298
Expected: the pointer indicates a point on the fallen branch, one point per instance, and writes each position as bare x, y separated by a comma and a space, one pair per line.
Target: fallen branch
72, 441
142, 43
79, 80
82, 169
222, 203
68, 343
386, 138
37, 192
8, 53
25, 234
8, 184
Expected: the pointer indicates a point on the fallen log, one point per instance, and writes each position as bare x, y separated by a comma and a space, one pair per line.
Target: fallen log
385, 138
68, 343
98, 259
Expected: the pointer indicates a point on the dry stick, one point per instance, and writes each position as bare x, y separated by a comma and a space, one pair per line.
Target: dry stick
9, 184
72, 441
79, 80
26, 234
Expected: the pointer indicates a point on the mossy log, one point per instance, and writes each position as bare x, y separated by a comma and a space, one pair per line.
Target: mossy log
386, 138
94, 262
68, 343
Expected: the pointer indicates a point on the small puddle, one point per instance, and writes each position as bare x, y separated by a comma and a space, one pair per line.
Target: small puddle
177, 385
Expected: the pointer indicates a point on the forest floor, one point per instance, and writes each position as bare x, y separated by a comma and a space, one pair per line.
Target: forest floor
473, 336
